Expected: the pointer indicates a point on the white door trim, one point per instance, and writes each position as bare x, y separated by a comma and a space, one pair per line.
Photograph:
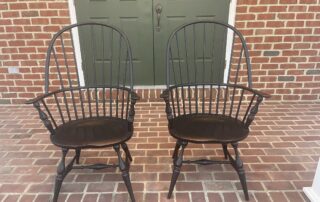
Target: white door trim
231, 21
76, 41
73, 17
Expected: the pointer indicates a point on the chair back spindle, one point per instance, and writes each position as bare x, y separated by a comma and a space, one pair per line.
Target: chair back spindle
88, 73
209, 71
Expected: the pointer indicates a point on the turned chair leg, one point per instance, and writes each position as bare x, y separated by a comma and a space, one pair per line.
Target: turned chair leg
225, 150
176, 149
124, 167
126, 150
177, 163
78, 152
61, 170
238, 165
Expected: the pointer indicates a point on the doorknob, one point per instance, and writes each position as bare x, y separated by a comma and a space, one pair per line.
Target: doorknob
158, 9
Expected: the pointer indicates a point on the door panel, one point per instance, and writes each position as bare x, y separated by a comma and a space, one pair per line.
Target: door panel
177, 12
134, 18
197, 54
138, 19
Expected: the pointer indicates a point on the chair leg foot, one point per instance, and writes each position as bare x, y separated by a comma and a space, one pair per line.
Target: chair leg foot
225, 151
238, 165
126, 179
61, 173
57, 187
174, 177
242, 177
124, 167
177, 163
78, 152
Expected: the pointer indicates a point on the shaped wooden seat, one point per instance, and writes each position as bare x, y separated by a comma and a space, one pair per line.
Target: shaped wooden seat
208, 128
92, 132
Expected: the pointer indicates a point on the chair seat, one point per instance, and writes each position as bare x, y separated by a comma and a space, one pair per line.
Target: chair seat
204, 128
92, 132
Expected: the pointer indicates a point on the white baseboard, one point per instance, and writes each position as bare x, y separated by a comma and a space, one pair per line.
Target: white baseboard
313, 193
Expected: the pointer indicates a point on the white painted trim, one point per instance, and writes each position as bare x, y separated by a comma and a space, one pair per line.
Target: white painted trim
313, 193
151, 87
73, 17
231, 21
76, 41
156, 87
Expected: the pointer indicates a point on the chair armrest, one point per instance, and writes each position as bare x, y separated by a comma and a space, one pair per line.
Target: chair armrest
41, 97
42, 115
36, 99
165, 95
262, 94
258, 92
134, 96
253, 111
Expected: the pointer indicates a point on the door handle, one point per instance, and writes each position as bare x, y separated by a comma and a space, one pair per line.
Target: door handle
158, 9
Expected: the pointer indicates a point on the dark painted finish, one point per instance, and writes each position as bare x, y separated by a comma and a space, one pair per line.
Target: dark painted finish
211, 128
200, 106
96, 113
92, 132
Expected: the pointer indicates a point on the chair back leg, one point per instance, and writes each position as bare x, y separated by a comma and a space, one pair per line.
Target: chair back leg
78, 152
225, 150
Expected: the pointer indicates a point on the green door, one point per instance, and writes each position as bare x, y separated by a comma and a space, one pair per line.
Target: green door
149, 30
134, 18
175, 13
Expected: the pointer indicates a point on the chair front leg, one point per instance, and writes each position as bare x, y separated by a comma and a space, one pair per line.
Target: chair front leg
177, 163
238, 165
176, 149
61, 172
124, 167
126, 150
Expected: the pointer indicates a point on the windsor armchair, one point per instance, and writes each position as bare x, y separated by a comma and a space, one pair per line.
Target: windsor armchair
89, 98
209, 96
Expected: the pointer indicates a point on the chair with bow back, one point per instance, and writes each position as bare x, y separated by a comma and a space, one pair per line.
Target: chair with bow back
89, 98
209, 97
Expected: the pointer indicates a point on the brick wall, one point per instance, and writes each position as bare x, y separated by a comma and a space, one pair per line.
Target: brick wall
283, 38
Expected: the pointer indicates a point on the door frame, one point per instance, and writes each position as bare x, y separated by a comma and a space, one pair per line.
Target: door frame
76, 41
73, 18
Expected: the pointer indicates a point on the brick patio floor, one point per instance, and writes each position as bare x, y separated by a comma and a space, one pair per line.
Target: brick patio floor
280, 158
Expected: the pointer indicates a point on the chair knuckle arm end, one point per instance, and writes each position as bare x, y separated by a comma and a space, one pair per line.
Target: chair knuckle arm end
165, 94
135, 96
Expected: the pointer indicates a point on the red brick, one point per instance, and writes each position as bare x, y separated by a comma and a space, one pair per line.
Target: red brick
18, 6
29, 13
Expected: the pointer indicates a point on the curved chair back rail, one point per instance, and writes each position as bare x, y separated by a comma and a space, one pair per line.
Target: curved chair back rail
199, 52
105, 57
